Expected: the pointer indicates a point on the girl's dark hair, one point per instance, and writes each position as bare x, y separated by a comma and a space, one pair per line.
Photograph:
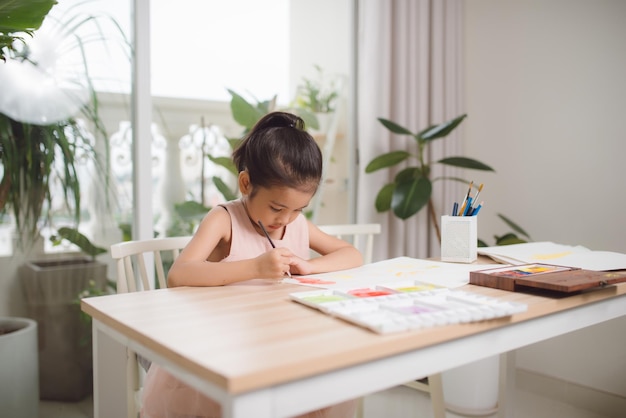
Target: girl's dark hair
279, 152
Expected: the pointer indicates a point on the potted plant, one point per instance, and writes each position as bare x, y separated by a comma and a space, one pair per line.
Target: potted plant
319, 96
19, 396
411, 189
41, 151
18, 336
51, 288
41, 145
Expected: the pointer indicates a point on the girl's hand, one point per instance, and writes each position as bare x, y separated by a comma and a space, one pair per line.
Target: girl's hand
275, 263
300, 266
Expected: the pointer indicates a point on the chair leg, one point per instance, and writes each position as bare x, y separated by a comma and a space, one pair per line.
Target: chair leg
506, 389
132, 383
436, 395
434, 387
360, 407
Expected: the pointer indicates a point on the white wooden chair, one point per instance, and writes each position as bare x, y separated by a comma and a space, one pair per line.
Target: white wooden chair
359, 235
133, 259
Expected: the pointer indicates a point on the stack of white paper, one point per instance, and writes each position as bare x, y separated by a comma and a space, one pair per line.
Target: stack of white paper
558, 254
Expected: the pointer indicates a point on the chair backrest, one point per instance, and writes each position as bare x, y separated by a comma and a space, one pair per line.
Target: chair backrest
132, 261
133, 257
359, 235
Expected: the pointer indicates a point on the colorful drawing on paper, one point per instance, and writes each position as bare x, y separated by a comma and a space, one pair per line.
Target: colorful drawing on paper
526, 270
312, 280
551, 256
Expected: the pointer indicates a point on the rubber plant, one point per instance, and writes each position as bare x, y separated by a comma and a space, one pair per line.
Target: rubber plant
411, 189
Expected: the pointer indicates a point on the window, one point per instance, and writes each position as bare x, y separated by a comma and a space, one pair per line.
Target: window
201, 48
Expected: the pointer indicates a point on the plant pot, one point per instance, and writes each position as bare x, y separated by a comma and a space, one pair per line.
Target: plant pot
472, 390
19, 383
51, 290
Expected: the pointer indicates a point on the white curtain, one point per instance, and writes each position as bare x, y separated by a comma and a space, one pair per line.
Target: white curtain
409, 70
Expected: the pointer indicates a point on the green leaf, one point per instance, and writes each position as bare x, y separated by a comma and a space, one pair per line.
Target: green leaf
508, 239
383, 199
233, 142
465, 162
408, 174
387, 160
223, 188
457, 179
410, 197
266, 106
441, 130
224, 162
81, 241
243, 112
423, 131
23, 16
513, 226
394, 127
191, 210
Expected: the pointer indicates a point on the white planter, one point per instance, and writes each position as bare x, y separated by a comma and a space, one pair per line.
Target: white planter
472, 390
19, 379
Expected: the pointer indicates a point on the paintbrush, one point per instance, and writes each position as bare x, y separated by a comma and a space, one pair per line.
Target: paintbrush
475, 201
462, 209
271, 242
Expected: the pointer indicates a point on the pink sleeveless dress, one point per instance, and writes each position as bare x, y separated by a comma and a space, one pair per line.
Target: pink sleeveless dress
164, 396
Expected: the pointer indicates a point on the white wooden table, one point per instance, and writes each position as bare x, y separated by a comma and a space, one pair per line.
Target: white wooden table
259, 354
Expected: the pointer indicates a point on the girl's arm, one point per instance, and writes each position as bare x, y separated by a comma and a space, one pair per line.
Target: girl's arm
335, 254
193, 268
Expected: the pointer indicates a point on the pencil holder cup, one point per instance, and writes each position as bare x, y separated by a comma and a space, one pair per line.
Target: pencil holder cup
459, 238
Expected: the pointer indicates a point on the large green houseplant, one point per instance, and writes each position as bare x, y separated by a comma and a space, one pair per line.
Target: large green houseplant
411, 189
42, 147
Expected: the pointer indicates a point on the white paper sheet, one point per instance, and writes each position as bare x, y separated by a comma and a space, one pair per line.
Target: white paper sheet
558, 254
395, 270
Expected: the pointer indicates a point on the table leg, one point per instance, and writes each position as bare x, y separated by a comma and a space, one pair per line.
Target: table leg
109, 375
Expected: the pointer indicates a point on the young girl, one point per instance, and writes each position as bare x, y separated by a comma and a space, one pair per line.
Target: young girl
280, 167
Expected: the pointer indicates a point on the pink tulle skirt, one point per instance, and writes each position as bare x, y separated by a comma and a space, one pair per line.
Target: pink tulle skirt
164, 396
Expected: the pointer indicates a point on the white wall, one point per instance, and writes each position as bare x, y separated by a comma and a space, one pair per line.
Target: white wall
546, 97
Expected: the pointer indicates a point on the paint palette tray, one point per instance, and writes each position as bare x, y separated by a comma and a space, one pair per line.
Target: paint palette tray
406, 306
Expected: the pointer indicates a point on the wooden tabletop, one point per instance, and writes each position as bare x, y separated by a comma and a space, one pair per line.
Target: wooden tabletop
251, 335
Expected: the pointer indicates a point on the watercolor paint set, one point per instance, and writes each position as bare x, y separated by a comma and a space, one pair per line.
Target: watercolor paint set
406, 306
545, 277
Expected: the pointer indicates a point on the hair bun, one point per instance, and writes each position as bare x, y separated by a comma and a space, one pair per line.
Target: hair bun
282, 120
